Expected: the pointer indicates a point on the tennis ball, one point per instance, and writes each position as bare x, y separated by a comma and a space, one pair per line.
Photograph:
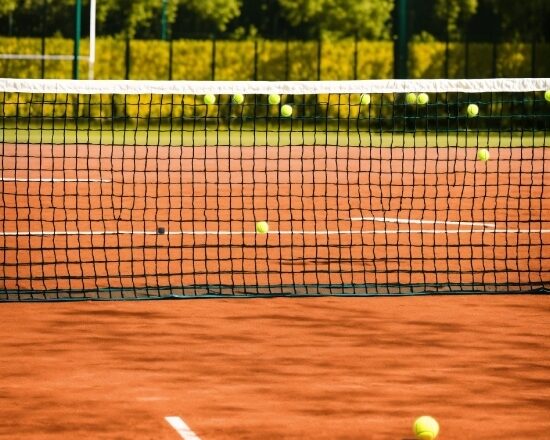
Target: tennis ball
547, 95
410, 98
422, 99
472, 110
426, 428
237, 99
483, 154
365, 99
209, 99
262, 227
286, 110
274, 99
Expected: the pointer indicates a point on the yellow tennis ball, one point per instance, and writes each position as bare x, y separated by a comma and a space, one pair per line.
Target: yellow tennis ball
274, 99
365, 99
262, 227
422, 99
426, 428
410, 98
286, 110
209, 99
547, 95
472, 110
237, 99
483, 154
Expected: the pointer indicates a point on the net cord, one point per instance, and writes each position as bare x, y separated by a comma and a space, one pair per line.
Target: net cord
129, 87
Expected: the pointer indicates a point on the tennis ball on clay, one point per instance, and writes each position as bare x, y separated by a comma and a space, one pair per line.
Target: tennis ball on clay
422, 99
209, 99
237, 99
472, 110
483, 154
365, 99
286, 110
410, 98
426, 428
274, 99
547, 95
262, 227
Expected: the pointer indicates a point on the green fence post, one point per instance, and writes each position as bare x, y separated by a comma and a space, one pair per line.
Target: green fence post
164, 21
77, 17
401, 41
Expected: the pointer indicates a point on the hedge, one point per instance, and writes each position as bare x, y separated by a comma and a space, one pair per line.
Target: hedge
275, 60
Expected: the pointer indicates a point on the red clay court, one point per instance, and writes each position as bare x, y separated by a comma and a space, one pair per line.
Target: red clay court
87, 217
346, 368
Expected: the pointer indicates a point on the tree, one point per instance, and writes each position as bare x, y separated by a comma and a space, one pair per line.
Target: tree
37, 17
519, 20
220, 12
340, 18
126, 16
131, 17
522, 20
117, 17
7, 6
454, 14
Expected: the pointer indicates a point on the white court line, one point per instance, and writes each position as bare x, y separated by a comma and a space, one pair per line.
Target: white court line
419, 222
366, 232
181, 428
50, 179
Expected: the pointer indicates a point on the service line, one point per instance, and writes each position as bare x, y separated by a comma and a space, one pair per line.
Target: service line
296, 232
181, 428
50, 179
411, 221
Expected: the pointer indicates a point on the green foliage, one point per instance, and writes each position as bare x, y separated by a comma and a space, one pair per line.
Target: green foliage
221, 12
521, 20
7, 6
191, 59
454, 13
509, 20
143, 13
132, 13
341, 18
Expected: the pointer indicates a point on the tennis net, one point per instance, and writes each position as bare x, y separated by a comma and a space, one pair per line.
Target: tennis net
142, 189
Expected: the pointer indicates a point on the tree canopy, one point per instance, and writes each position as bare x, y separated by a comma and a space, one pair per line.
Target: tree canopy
340, 18
480, 20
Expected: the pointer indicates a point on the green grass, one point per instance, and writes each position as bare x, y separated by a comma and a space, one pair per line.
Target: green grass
276, 134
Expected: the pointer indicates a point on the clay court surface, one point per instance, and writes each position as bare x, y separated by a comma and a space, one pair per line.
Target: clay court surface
308, 368
285, 368
86, 216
